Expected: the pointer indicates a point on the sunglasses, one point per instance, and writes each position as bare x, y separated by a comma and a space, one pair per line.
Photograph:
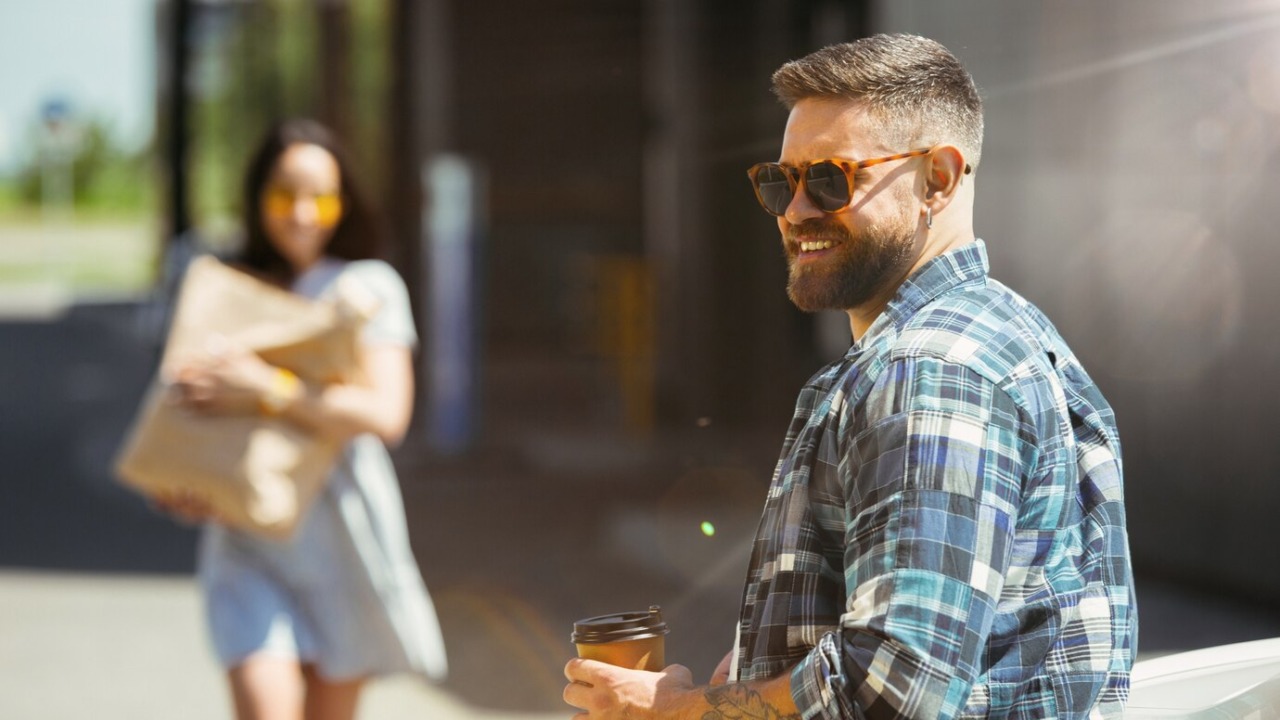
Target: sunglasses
279, 202
827, 183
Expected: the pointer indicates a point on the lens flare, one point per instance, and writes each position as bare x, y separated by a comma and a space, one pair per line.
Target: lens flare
708, 529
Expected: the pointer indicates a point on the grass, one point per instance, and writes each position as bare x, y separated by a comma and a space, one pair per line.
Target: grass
83, 254
107, 244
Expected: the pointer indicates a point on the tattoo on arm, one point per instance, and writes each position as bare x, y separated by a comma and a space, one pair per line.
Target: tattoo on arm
736, 701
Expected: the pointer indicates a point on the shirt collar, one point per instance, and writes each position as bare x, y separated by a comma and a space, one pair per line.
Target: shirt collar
964, 265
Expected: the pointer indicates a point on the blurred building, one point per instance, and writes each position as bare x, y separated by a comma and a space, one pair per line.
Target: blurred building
627, 290
626, 282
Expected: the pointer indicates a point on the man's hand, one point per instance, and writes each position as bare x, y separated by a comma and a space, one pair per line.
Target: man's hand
614, 693
721, 674
607, 692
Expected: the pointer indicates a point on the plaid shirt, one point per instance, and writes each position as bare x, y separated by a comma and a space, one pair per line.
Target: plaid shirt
944, 535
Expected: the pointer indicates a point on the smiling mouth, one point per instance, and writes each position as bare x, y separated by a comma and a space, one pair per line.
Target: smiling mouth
809, 246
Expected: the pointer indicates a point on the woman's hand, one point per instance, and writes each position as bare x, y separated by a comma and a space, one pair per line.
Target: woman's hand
229, 380
186, 507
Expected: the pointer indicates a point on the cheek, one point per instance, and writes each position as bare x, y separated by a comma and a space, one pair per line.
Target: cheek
848, 225
890, 210
276, 229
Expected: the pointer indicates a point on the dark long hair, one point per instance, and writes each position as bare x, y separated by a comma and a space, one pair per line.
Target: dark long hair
358, 235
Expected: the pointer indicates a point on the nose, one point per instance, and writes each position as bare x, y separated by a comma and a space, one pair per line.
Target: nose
305, 211
801, 208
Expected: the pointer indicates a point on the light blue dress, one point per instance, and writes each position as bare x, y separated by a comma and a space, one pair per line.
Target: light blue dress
344, 592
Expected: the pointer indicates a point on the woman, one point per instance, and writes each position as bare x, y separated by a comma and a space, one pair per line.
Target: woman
300, 625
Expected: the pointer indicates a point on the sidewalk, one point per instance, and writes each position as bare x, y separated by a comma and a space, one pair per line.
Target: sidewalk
111, 647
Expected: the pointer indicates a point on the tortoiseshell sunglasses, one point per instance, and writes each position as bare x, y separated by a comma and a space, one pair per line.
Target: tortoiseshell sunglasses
827, 183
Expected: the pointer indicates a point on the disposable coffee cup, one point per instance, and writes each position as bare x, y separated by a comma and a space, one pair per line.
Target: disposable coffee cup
633, 640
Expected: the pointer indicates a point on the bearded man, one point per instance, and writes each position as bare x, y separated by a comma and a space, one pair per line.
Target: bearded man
944, 535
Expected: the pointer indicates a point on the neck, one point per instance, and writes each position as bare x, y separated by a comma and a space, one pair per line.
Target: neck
303, 268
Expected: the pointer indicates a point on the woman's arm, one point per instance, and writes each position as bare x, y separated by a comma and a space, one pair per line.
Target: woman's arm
239, 382
382, 405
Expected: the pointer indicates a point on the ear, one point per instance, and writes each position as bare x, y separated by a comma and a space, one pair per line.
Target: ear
946, 166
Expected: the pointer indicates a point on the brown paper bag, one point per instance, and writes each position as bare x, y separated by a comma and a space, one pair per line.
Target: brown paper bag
257, 473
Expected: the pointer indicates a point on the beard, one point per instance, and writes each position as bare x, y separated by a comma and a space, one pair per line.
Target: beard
856, 270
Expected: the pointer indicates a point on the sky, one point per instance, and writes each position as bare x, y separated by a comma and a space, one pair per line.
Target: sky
97, 55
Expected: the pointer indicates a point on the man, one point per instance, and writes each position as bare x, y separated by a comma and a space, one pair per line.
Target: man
945, 533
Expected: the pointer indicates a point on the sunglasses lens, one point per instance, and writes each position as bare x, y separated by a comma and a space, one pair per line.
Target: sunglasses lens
328, 209
828, 186
278, 203
774, 189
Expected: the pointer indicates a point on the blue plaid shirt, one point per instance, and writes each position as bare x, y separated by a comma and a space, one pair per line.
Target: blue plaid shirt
944, 535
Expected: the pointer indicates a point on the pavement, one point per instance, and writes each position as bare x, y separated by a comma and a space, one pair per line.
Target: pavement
77, 645
132, 647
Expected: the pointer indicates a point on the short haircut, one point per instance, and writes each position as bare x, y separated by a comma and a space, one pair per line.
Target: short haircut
358, 235
913, 85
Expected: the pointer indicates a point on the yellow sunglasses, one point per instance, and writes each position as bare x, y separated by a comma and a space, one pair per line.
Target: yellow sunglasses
279, 203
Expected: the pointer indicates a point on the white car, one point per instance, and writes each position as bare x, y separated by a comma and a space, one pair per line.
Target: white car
1218, 683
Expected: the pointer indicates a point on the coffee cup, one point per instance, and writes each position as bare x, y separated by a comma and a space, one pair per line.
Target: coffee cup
633, 640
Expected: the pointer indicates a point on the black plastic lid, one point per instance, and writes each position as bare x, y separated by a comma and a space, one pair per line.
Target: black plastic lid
622, 626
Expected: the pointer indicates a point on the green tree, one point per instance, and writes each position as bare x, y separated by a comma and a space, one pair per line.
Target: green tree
106, 178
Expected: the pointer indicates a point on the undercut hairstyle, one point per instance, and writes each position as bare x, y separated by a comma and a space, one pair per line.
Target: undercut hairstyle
357, 236
914, 86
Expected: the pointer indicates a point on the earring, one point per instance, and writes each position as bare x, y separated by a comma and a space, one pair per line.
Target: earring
928, 217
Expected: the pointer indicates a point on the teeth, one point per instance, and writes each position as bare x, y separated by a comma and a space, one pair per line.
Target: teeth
819, 245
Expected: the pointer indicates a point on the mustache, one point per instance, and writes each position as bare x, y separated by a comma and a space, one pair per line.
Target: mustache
818, 229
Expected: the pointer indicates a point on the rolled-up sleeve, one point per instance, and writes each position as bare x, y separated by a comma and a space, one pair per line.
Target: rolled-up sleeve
933, 473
